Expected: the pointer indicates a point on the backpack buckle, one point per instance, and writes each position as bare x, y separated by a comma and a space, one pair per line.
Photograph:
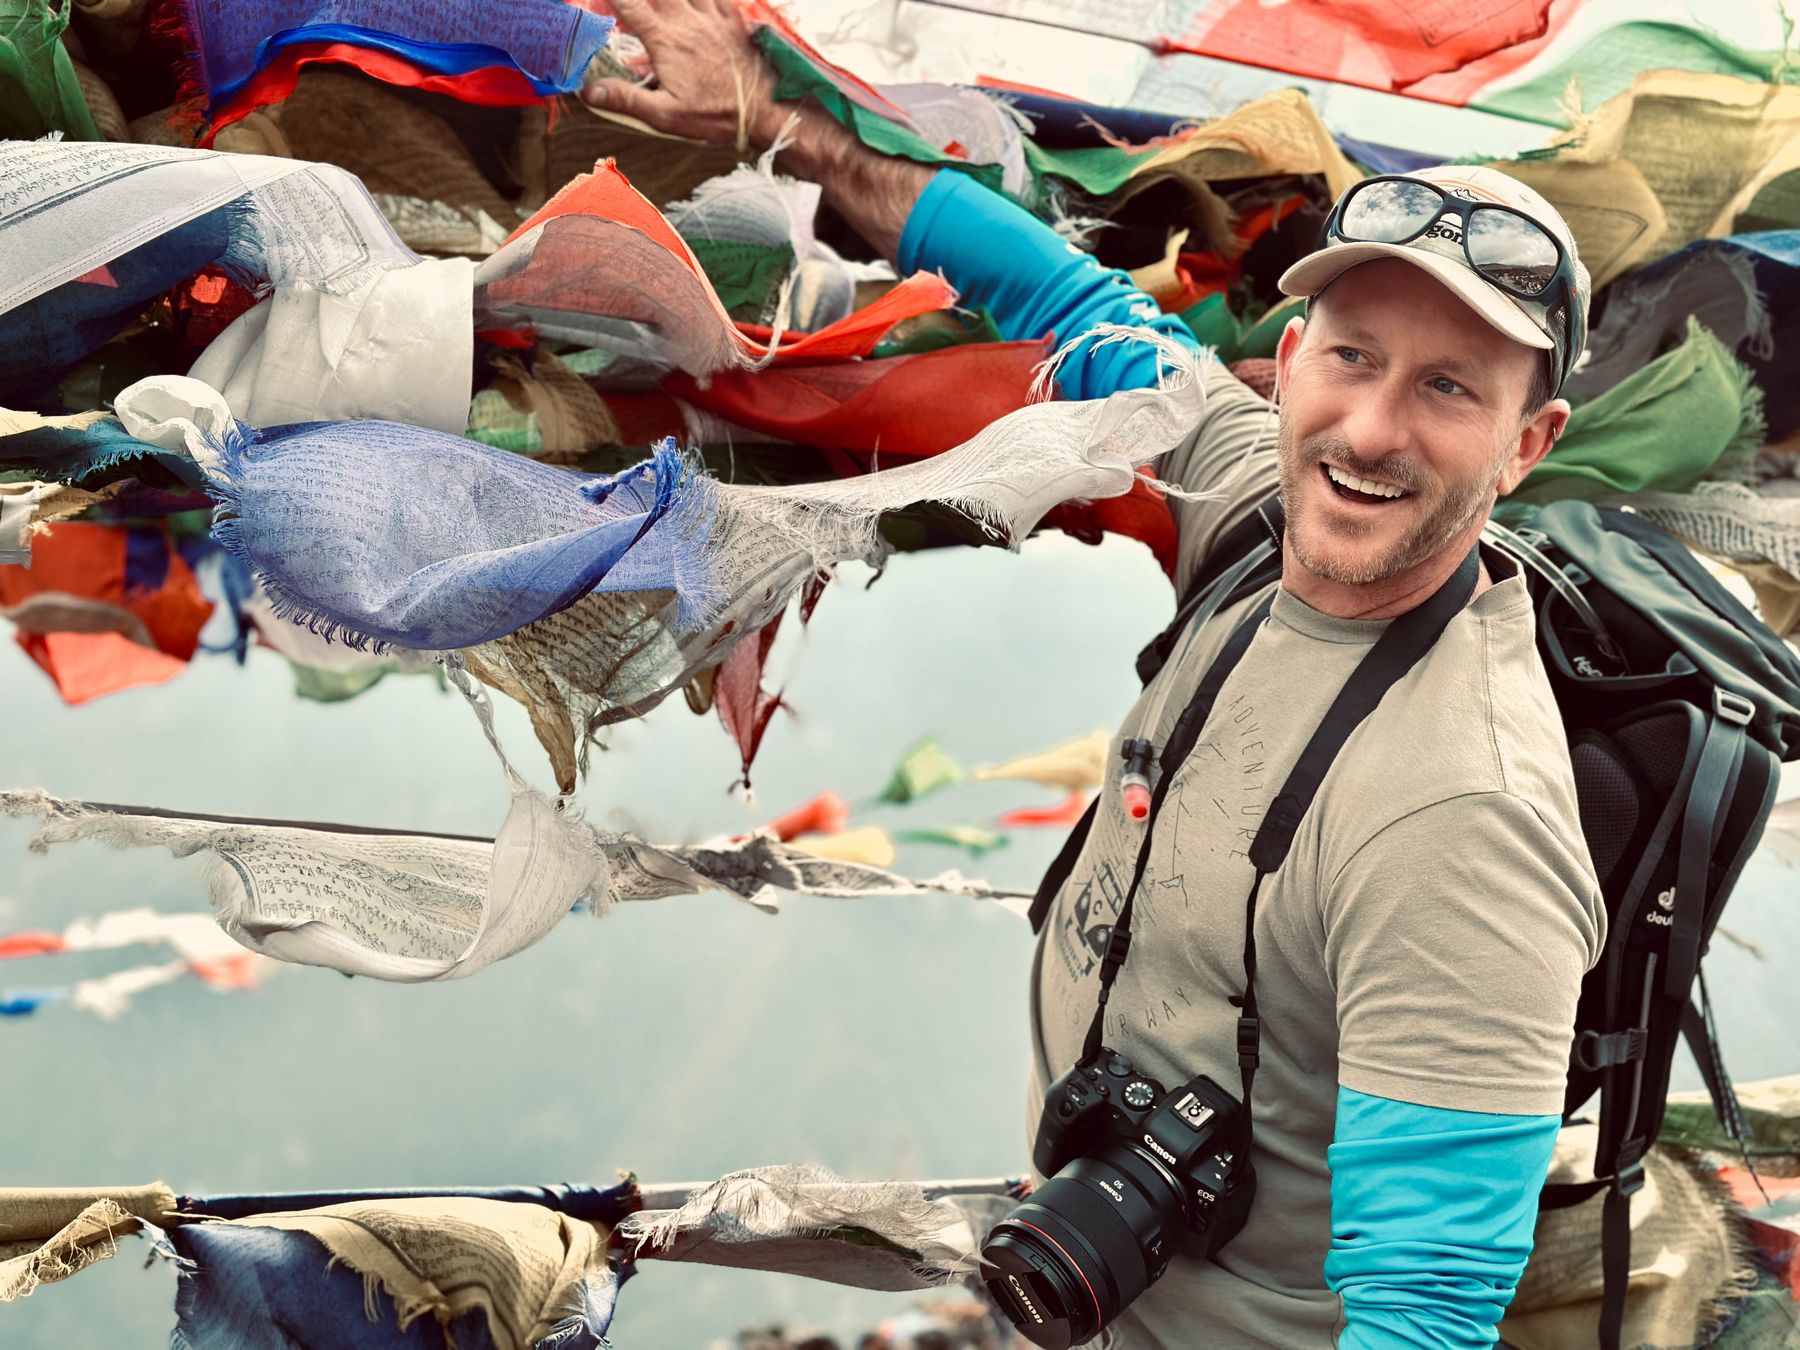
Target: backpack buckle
1629, 1180
1595, 1051
1732, 706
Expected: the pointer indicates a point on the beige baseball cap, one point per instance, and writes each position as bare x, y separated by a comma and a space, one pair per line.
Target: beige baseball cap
1555, 321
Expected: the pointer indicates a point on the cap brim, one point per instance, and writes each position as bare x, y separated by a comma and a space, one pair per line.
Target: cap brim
1316, 271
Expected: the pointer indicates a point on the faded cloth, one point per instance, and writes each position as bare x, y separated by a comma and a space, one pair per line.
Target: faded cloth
30, 508
39, 92
415, 907
649, 299
520, 557
549, 42
1691, 1260
1370, 936
93, 231
1692, 413
49, 1234
802, 1220
516, 1274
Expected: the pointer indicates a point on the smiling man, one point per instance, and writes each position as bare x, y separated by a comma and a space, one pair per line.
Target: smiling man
1421, 949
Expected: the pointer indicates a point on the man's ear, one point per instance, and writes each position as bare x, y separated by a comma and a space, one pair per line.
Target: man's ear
1536, 439
1285, 347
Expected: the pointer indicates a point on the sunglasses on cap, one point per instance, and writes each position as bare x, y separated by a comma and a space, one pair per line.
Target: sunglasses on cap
1504, 245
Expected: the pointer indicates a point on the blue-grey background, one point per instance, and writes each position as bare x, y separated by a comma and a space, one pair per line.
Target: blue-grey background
681, 1039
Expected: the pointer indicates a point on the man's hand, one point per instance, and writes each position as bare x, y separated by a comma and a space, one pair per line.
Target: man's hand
713, 85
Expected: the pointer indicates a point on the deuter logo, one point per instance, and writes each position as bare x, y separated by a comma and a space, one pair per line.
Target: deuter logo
1665, 901
1160, 1151
1587, 668
1024, 1298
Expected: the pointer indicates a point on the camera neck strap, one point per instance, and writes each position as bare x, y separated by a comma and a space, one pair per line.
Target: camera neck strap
1399, 648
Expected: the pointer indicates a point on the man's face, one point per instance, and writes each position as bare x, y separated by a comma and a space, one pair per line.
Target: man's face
1401, 422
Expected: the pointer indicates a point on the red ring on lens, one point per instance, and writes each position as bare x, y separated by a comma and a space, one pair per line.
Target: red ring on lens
1098, 1318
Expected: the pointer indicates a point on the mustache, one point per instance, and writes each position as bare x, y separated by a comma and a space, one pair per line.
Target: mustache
1387, 469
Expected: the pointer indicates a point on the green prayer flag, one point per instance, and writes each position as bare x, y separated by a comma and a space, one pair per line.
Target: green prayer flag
38, 91
1692, 413
797, 78
1607, 63
971, 838
747, 277
922, 770
1097, 170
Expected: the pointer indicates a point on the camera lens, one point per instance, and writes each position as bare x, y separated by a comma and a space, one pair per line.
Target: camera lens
1090, 1240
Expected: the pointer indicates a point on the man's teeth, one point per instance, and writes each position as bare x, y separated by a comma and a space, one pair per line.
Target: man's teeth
1367, 485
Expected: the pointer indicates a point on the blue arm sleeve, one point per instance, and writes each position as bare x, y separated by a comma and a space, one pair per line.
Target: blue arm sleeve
1432, 1214
1034, 282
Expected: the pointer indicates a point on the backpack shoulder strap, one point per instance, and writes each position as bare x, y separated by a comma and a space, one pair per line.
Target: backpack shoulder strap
1231, 555
1233, 561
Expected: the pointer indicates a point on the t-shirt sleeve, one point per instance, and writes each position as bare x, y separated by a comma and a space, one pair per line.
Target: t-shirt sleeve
1456, 940
1230, 456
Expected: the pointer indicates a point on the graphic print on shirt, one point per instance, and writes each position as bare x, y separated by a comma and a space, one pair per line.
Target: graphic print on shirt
1088, 923
1244, 797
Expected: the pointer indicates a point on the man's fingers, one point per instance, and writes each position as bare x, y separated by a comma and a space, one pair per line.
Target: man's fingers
622, 96
637, 16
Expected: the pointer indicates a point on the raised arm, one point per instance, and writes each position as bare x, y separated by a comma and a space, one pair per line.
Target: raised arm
713, 85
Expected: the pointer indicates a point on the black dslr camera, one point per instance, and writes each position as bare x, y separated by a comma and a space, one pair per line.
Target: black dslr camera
1136, 1174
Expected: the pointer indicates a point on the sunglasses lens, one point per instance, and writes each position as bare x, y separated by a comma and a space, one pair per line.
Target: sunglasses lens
1507, 248
1389, 211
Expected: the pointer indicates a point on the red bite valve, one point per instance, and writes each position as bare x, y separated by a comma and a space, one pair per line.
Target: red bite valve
1134, 785
1136, 792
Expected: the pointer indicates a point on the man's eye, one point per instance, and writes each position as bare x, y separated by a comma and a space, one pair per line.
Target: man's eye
1445, 385
1349, 353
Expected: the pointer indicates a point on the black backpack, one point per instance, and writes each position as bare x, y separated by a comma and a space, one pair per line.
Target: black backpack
1679, 705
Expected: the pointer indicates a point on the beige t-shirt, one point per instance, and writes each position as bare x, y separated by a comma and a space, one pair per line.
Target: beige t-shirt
1425, 940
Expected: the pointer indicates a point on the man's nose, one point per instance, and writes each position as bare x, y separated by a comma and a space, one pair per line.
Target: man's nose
1377, 418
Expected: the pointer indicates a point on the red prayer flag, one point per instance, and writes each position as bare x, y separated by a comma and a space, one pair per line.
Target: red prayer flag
1064, 817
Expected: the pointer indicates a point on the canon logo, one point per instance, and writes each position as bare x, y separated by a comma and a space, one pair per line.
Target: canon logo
1160, 1151
1024, 1298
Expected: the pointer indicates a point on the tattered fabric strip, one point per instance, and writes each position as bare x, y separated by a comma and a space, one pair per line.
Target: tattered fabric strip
107, 997
511, 1263
83, 446
195, 936
550, 42
332, 518
649, 298
93, 231
414, 907
802, 1220
481, 1272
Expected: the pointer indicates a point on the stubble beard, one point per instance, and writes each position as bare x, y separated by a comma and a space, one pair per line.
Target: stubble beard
1457, 509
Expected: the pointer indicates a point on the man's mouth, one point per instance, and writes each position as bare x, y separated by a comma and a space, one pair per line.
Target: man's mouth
1366, 491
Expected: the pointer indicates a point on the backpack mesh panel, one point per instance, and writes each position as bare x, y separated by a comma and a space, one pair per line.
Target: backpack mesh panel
1658, 746
1607, 795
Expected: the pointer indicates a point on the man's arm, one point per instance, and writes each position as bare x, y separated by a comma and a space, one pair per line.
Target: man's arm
1456, 972
1432, 1213
713, 85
